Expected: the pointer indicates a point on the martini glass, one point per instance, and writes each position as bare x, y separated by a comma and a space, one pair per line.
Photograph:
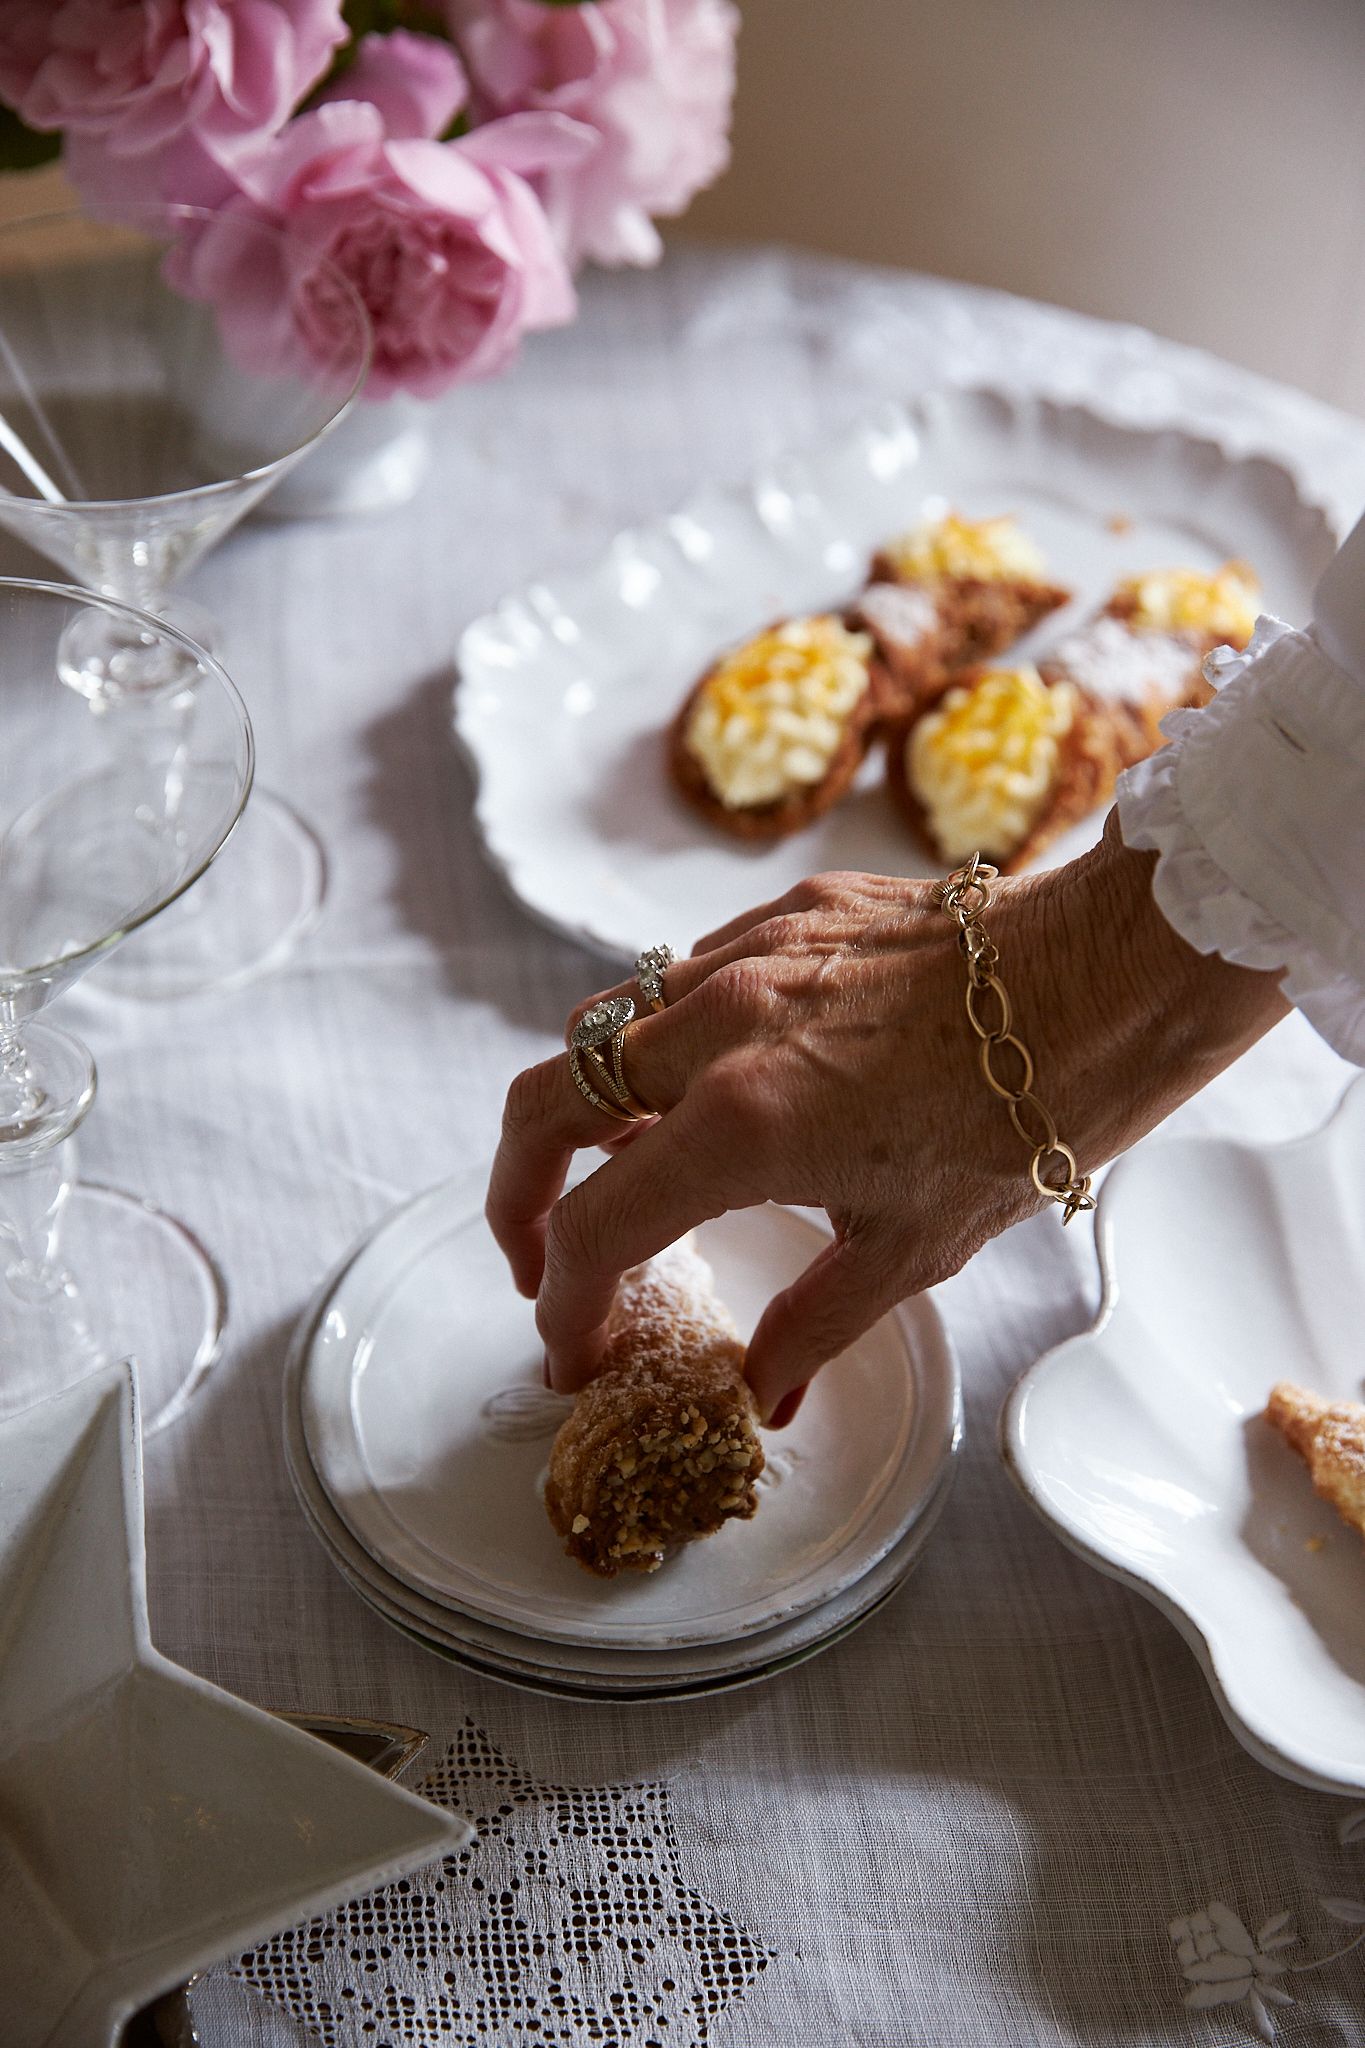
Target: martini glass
160, 370
112, 802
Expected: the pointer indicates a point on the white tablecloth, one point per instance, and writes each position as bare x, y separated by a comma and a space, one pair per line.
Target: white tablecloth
974, 1822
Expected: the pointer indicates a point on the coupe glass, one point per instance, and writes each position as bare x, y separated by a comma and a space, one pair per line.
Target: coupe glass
112, 802
160, 371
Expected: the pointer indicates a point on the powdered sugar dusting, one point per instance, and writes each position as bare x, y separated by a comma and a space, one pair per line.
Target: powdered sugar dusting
1110, 660
898, 614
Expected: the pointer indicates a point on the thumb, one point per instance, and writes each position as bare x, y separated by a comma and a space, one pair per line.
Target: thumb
842, 1293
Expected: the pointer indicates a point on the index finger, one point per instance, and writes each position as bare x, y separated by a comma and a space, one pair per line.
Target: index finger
642, 1200
547, 1120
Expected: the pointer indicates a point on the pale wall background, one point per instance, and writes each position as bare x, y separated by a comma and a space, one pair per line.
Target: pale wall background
1194, 165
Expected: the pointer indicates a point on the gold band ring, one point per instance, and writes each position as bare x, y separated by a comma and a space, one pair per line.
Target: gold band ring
650, 969
629, 1098
590, 1094
612, 1082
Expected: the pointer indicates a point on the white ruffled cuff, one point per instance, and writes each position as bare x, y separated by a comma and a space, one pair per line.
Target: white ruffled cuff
1257, 813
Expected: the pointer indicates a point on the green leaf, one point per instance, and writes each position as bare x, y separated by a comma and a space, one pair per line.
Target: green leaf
20, 148
378, 17
374, 18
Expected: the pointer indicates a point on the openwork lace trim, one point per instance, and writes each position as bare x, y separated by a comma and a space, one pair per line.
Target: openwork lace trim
566, 1921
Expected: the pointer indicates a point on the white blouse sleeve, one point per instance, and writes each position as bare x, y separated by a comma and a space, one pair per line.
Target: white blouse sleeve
1256, 810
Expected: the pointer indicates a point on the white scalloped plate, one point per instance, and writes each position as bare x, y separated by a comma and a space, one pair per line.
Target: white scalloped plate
568, 686
1226, 1267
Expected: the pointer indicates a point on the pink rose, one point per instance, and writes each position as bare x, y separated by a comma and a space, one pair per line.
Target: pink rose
141, 73
653, 78
446, 243
417, 82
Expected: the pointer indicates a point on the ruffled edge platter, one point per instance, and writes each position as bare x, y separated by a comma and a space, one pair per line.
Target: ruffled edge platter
567, 686
1226, 1266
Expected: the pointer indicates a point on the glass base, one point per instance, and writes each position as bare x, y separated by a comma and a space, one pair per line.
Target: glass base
134, 1284
241, 919
47, 1083
112, 659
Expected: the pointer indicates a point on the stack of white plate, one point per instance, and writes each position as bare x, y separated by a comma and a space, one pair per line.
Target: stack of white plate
418, 1430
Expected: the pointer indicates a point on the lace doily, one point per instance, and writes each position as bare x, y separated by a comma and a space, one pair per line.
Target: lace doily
567, 1920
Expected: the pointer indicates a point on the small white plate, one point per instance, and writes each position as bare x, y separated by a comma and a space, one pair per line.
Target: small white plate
567, 688
456, 1651
592, 1670
635, 1678
1226, 1267
429, 1431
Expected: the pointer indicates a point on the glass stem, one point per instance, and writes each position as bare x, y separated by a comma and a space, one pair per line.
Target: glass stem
34, 1190
20, 1095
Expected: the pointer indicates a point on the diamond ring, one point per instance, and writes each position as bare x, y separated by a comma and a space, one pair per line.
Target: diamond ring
605, 1086
650, 969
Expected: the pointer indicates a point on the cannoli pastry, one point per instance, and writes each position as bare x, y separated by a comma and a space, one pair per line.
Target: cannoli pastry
1144, 653
661, 1447
949, 593
1330, 1438
1002, 763
776, 730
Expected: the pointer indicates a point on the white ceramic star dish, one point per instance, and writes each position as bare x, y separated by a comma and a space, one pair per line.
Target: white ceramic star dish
1226, 1267
568, 687
425, 1422
152, 1823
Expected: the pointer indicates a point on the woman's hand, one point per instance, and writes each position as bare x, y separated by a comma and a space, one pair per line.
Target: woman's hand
816, 1051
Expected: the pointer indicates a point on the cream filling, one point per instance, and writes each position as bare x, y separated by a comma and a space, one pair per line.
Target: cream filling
1186, 601
989, 550
771, 717
984, 762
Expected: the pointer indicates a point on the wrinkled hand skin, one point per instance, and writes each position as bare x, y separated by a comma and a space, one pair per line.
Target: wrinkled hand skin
816, 1051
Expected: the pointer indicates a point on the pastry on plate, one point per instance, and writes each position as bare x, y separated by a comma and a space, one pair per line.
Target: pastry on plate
1002, 763
949, 593
1330, 1438
776, 730
1144, 652
662, 1446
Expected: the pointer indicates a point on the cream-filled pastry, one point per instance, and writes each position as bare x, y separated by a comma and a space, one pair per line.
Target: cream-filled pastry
1330, 1438
1144, 652
948, 593
775, 730
1002, 763
661, 1447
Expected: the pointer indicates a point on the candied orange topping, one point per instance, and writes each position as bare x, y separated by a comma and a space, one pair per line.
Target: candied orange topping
770, 718
1223, 601
983, 762
989, 550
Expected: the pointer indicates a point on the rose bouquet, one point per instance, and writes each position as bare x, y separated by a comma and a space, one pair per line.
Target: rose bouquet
457, 160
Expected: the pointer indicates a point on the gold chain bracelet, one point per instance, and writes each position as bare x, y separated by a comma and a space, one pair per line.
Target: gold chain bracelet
965, 894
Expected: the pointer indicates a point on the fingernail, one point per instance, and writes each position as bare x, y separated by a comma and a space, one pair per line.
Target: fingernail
787, 1407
